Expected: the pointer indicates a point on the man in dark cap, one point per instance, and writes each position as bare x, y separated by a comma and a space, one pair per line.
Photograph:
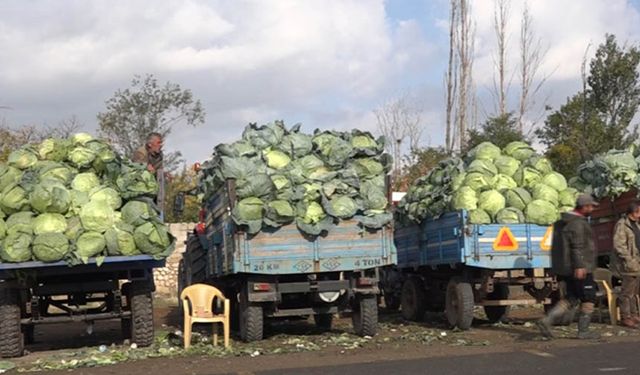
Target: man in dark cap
573, 259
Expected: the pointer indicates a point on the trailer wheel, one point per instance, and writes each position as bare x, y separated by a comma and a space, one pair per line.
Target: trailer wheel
413, 299
11, 337
365, 316
323, 321
459, 303
497, 313
141, 314
251, 319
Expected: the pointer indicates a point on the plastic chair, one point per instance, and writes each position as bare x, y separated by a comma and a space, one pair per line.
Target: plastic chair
603, 277
197, 303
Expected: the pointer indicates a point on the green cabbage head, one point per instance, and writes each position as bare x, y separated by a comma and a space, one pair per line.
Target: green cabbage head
97, 216
519, 150
555, 180
137, 212
85, 182
50, 196
510, 215
90, 244
107, 195
49, 223
465, 199
485, 150
152, 238
491, 201
479, 216
16, 248
518, 198
541, 212
545, 193
507, 165
50, 247
120, 240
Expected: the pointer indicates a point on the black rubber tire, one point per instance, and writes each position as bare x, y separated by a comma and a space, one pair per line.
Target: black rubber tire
413, 299
251, 320
459, 303
141, 314
323, 321
392, 301
11, 337
365, 316
497, 313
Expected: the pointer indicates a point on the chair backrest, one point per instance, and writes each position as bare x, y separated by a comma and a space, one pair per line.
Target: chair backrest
603, 274
199, 299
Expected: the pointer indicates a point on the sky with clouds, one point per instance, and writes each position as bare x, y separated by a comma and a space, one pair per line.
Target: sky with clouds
325, 63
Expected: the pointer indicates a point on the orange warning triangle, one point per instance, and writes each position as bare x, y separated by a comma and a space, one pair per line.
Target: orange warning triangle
545, 244
505, 241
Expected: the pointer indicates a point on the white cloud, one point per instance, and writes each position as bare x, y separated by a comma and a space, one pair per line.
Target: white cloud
326, 63
246, 60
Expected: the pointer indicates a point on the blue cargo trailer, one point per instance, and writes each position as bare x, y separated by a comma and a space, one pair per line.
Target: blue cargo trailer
115, 287
281, 272
448, 264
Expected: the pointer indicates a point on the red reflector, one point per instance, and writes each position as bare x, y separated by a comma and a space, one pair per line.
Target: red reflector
505, 240
261, 287
200, 228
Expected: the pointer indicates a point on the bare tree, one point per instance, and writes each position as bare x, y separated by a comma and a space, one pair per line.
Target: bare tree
451, 78
500, 83
399, 120
66, 127
465, 46
532, 54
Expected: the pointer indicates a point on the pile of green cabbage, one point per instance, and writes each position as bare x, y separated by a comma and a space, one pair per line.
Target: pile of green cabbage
74, 199
284, 176
610, 174
509, 186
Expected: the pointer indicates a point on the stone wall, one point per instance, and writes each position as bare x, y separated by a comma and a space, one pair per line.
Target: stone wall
166, 278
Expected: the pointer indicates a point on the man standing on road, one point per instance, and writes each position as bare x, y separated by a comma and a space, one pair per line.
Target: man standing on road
573, 259
626, 242
151, 155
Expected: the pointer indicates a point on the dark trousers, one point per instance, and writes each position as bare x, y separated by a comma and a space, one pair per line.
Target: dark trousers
627, 298
581, 291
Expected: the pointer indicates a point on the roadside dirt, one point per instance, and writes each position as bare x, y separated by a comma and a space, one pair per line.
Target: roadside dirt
290, 344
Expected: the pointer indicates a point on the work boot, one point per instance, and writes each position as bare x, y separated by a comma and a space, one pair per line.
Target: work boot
545, 324
583, 328
629, 323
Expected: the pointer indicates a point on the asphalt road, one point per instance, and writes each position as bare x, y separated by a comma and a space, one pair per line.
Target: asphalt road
619, 358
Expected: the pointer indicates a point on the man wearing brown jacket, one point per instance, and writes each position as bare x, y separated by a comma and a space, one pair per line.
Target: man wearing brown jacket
573, 259
626, 242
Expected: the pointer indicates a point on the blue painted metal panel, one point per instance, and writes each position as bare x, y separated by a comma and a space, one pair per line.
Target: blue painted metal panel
448, 240
286, 250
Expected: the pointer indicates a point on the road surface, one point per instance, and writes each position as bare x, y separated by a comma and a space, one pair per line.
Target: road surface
618, 358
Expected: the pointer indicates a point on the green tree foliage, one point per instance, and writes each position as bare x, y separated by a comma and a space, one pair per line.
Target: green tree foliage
183, 181
500, 130
599, 118
417, 164
131, 114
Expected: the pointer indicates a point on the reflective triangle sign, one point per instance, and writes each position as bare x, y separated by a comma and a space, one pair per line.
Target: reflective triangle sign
505, 241
545, 244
